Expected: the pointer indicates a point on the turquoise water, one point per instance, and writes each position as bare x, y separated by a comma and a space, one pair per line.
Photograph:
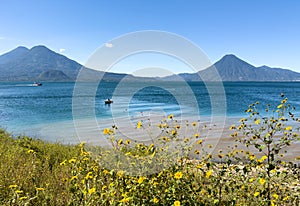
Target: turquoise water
24, 108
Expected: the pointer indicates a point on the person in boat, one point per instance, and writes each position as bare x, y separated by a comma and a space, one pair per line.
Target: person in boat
108, 101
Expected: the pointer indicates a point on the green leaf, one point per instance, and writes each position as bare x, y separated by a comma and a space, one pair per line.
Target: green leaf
262, 147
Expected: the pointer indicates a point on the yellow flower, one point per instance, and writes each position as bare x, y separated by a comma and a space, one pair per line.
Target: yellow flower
40, 189
199, 166
19, 191
120, 173
275, 196
251, 157
249, 110
251, 179
74, 178
203, 192
262, 181
263, 158
125, 200
242, 120
196, 135
23, 198
30, 151
106, 131
127, 141
286, 198
139, 124
128, 153
155, 200
279, 106
257, 121
171, 116
208, 174
92, 190
256, 194
194, 124
13, 186
89, 175
289, 128
141, 179
282, 119
73, 160
199, 141
177, 126
209, 156
95, 168
82, 144
163, 125
234, 134
232, 127
85, 159
178, 175
177, 203
120, 142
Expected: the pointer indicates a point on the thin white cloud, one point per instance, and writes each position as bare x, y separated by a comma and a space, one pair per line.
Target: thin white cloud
61, 50
1, 37
109, 45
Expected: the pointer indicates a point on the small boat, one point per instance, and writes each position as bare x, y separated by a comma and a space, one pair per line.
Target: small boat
36, 84
108, 101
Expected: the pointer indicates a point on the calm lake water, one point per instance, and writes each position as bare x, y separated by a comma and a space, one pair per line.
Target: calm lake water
26, 109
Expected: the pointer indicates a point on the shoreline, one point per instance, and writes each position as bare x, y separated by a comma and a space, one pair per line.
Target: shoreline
214, 130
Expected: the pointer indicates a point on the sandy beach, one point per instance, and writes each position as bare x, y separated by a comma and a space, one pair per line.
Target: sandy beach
214, 131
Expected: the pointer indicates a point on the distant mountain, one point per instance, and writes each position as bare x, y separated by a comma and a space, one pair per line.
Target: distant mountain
231, 68
53, 76
41, 64
23, 64
13, 55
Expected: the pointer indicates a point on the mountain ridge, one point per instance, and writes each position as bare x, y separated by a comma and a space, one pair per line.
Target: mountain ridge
232, 68
33, 62
42, 64
13, 54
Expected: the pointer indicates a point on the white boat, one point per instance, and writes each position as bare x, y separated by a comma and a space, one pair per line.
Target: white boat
36, 84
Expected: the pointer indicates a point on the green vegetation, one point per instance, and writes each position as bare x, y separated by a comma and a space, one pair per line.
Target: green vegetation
37, 173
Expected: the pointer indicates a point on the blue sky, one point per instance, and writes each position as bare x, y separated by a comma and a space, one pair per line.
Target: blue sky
262, 32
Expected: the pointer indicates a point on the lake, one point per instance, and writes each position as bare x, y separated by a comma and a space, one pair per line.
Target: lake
47, 111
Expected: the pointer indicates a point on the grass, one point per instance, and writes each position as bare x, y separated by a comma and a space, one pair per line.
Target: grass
34, 172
